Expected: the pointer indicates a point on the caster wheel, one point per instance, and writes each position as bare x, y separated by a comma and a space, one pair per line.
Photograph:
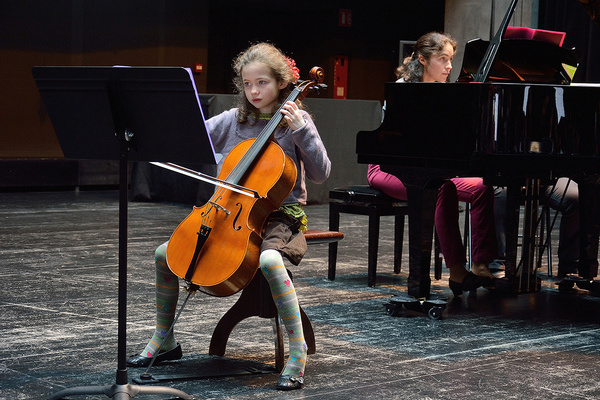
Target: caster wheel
392, 310
435, 313
565, 287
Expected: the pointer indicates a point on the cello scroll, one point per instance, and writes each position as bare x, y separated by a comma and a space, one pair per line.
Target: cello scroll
317, 76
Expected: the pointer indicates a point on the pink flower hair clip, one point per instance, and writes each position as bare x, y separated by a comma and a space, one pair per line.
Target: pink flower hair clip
295, 70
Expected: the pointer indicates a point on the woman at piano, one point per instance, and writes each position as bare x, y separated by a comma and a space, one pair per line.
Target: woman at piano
431, 61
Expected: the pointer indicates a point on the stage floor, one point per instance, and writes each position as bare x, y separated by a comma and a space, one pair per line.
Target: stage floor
58, 313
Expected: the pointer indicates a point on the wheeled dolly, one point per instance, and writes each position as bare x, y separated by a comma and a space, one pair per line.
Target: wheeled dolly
433, 307
566, 285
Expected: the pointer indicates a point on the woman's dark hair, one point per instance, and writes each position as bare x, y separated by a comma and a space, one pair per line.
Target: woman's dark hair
433, 42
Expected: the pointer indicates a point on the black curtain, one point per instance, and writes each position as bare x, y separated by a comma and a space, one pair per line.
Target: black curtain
581, 32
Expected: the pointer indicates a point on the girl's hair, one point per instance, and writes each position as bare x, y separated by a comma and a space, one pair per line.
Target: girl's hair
280, 67
433, 42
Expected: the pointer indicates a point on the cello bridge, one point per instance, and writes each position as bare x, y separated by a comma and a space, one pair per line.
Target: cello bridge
220, 207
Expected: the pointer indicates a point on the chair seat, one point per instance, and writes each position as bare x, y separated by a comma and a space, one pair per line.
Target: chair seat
363, 194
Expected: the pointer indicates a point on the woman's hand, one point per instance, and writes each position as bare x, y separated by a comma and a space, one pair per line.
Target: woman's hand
292, 115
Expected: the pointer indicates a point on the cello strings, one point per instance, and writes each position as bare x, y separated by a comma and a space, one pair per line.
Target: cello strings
241, 168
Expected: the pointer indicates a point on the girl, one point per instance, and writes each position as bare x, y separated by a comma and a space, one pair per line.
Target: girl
431, 61
263, 79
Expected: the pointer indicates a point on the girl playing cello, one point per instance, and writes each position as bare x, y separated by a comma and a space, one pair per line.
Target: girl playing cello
264, 78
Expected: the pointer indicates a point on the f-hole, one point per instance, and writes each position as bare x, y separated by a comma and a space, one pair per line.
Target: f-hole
237, 228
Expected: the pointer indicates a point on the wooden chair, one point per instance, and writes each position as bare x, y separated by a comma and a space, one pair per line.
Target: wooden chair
256, 301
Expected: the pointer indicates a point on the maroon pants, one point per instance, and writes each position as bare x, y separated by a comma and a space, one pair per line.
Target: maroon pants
470, 190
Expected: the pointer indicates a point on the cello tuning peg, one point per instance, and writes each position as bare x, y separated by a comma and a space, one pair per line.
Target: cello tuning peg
317, 88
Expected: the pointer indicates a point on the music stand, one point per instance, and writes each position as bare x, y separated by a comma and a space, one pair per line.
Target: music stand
125, 113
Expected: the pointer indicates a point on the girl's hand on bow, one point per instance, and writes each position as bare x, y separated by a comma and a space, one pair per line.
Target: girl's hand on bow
292, 115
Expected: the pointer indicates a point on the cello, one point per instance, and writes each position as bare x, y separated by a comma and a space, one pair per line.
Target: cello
216, 248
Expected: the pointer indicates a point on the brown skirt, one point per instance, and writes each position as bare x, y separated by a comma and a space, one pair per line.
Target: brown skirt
282, 233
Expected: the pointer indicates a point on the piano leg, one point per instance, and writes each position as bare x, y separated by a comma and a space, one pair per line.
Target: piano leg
513, 211
528, 279
521, 273
421, 203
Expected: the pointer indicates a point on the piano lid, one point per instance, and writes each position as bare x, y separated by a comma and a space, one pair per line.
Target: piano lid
520, 60
516, 61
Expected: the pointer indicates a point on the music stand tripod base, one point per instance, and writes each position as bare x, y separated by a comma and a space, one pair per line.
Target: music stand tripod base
147, 379
119, 392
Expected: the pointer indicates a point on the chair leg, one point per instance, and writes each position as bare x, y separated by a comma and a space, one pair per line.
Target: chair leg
279, 346
373, 248
398, 241
436, 256
549, 239
334, 225
467, 235
309, 334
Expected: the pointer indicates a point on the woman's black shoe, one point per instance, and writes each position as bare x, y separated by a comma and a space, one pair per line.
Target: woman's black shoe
470, 282
288, 382
141, 361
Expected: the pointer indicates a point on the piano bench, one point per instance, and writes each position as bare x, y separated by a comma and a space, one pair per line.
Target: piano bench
365, 200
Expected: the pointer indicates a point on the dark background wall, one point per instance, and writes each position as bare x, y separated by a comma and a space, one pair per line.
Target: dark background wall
309, 31
582, 33
83, 32
186, 32
211, 33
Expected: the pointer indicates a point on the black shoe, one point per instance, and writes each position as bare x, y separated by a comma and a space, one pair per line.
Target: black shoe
583, 283
567, 268
502, 286
141, 361
288, 382
470, 282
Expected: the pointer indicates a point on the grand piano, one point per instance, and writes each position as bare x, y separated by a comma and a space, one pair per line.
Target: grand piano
516, 121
